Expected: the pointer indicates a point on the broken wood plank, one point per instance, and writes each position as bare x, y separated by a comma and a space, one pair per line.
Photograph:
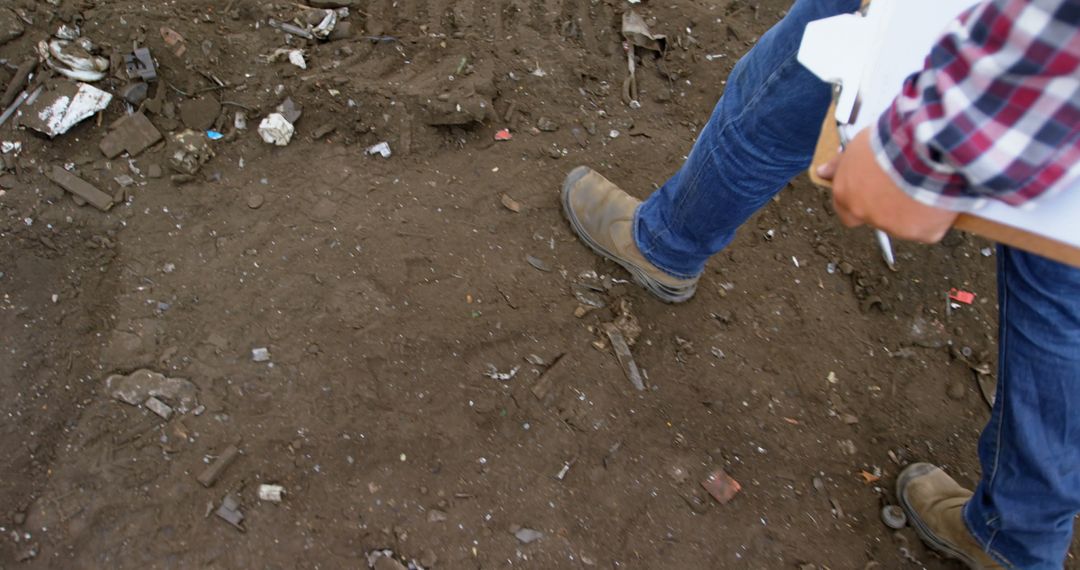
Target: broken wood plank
81, 188
210, 475
626, 358
132, 133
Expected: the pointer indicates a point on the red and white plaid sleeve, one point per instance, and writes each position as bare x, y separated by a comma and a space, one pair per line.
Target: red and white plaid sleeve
995, 114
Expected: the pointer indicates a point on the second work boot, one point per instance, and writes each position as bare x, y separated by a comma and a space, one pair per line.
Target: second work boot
602, 215
934, 503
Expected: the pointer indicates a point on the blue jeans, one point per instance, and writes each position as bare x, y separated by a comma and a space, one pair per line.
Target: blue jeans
762, 134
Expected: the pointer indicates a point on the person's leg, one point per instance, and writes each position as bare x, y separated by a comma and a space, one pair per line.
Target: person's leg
1024, 506
762, 133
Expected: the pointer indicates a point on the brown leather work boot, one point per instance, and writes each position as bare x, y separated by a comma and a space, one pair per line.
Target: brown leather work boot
603, 217
934, 503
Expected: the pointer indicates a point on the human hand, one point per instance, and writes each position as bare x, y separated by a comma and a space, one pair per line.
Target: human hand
863, 193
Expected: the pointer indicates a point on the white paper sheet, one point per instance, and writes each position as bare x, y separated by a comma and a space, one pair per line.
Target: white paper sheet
871, 56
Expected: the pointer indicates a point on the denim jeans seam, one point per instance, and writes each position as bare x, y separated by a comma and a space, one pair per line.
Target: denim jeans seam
645, 253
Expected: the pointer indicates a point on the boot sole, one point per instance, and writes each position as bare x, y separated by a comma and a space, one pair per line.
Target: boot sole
928, 537
659, 290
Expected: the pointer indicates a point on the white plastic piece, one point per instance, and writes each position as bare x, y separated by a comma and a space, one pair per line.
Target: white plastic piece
276, 130
296, 57
64, 112
382, 149
271, 493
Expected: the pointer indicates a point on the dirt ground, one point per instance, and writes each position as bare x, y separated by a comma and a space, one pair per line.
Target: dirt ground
387, 289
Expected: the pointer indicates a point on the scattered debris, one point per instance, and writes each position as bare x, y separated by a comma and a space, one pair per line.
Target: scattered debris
261, 354
588, 297
229, 511
627, 323
84, 190
510, 203
271, 493
132, 134
528, 535
494, 374
73, 59
386, 560
290, 110
10, 25
61, 105
503, 135
960, 296
135, 93
561, 475
139, 64
213, 472
382, 149
296, 57
188, 152
544, 385
546, 125
15, 87
276, 129
136, 388
635, 31
894, 517
721, 486
868, 477
626, 358
174, 41
158, 407
538, 263
323, 130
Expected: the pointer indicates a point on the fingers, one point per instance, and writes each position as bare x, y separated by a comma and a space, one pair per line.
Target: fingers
847, 217
827, 171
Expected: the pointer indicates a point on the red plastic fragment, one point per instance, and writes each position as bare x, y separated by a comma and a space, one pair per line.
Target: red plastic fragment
503, 135
721, 486
964, 297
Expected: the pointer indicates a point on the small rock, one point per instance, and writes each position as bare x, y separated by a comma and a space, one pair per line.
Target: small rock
229, 511
956, 390
255, 201
428, 558
260, 354
158, 407
139, 386
547, 125
10, 26
135, 93
894, 517
436, 516
527, 535
154, 171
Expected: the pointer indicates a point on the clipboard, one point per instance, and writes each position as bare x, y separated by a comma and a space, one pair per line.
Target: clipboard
835, 62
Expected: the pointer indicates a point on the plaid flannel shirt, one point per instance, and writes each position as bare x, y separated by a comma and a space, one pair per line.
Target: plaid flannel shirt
995, 114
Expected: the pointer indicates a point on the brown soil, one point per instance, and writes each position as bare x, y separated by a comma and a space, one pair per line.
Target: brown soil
385, 288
